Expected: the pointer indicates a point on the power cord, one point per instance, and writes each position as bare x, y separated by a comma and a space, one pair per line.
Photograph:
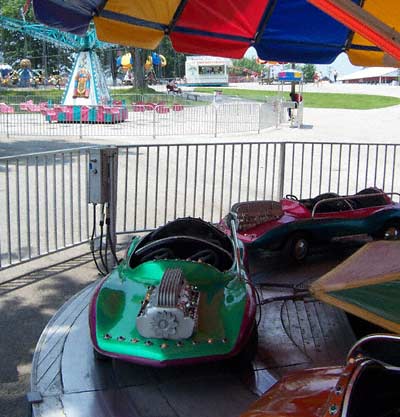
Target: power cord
108, 236
102, 273
101, 224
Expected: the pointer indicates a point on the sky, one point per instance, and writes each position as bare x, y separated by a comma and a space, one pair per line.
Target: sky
341, 64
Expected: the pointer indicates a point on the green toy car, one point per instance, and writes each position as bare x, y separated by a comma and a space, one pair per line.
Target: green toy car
180, 296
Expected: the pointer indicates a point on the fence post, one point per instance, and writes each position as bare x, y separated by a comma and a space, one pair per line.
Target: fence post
80, 124
281, 177
154, 122
113, 161
259, 118
7, 127
216, 121
278, 110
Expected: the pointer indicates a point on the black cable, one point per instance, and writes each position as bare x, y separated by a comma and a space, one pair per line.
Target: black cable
106, 248
101, 224
92, 242
110, 241
101, 246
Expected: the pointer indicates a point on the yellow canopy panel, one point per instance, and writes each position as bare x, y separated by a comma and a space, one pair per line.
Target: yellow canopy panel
387, 11
127, 34
157, 11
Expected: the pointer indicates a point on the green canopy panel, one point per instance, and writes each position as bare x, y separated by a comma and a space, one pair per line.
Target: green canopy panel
367, 284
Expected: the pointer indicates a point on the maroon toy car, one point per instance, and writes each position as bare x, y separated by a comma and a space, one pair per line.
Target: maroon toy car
292, 225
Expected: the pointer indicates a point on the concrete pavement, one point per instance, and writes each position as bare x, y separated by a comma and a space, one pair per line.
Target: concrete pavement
32, 293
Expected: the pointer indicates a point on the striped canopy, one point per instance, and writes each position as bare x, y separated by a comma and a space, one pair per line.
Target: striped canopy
367, 284
280, 30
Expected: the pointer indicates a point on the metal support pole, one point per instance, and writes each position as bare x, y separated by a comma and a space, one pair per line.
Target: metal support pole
113, 183
281, 178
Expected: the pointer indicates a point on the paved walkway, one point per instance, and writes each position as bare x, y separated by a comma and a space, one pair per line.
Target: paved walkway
29, 299
321, 125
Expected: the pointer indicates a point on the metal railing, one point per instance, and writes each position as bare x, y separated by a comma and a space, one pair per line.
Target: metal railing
146, 120
44, 198
185, 98
44, 204
158, 183
343, 168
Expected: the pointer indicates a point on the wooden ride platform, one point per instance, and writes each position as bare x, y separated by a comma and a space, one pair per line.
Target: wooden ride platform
294, 333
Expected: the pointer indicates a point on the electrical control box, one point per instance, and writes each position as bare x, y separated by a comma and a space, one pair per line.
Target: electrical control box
99, 175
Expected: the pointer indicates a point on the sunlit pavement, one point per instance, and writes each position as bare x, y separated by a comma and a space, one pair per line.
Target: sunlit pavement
28, 300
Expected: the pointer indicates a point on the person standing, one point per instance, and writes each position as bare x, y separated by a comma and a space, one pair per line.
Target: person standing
296, 99
316, 78
335, 74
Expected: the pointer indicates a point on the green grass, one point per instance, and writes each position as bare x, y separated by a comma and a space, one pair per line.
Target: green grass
130, 95
317, 100
37, 95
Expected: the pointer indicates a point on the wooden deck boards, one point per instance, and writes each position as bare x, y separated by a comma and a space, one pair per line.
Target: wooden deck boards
293, 334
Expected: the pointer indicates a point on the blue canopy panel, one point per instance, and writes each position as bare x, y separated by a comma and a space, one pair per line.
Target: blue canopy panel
297, 31
71, 16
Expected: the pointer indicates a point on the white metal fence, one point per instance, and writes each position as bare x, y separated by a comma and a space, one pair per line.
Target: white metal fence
43, 200
44, 197
146, 120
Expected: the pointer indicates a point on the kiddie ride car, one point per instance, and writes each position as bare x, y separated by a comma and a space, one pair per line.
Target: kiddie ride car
292, 225
180, 296
367, 386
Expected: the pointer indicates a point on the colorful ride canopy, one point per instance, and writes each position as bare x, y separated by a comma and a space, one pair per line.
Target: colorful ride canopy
367, 284
280, 30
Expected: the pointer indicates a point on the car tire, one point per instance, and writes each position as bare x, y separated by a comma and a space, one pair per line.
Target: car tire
296, 248
390, 231
100, 357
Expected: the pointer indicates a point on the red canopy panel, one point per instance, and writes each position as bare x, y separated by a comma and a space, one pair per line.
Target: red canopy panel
238, 17
223, 27
203, 45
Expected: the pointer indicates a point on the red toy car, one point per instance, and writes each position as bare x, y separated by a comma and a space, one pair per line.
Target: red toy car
292, 225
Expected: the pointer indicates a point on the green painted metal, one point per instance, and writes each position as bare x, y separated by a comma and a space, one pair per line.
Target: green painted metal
221, 309
54, 36
379, 299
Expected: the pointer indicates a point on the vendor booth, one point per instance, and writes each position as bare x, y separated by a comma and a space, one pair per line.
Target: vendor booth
293, 103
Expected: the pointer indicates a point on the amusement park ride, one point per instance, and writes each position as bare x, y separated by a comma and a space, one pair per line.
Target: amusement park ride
86, 85
180, 297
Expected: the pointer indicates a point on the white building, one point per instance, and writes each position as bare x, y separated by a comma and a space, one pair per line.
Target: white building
372, 75
207, 71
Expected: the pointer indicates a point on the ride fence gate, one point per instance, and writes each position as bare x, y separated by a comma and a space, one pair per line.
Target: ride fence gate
44, 198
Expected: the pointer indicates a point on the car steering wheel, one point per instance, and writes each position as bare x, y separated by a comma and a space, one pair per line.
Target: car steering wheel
207, 256
291, 197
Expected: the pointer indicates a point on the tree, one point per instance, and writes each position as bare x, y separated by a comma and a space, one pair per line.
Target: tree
247, 63
308, 72
138, 69
175, 67
16, 46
